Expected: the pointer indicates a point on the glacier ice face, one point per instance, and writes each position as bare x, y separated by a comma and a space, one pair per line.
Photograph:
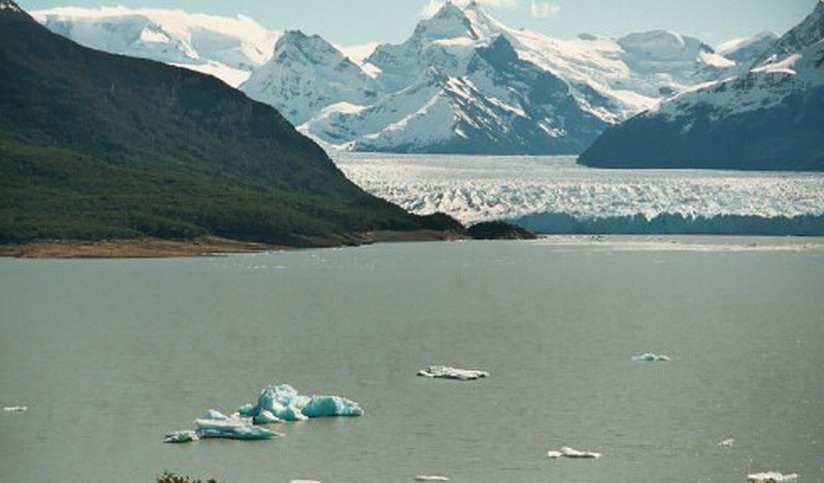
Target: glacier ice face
650, 357
446, 372
474, 189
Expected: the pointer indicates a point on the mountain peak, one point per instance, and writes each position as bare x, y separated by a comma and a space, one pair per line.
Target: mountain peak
449, 22
805, 34
9, 6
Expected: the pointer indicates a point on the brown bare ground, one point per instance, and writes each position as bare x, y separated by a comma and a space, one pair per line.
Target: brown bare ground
210, 246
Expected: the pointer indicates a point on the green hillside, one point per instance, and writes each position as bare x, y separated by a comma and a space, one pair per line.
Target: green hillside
94, 145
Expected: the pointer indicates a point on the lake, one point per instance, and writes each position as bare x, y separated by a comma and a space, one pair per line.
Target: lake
109, 355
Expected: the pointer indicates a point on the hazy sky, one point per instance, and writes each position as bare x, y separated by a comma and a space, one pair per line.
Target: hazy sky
350, 22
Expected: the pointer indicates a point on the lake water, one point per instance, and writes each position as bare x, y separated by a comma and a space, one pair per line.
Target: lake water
481, 188
110, 355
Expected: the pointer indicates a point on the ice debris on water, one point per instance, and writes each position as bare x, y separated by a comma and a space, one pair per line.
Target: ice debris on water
727, 443
181, 437
447, 372
771, 477
235, 426
431, 478
15, 409
567, 452
275, 404
284, 402
650, 357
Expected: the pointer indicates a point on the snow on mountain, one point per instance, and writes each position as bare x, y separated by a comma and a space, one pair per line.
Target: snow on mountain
307, 74
746, 50
482, 100
438, 90
10, 6
228, 48
598, 81
770, 117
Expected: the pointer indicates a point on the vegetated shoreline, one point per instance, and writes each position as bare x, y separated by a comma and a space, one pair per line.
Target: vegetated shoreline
201, 247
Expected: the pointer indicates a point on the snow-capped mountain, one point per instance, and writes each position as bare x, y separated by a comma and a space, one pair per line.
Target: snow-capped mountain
467, 102
745, 51
771, 117
463, 81
307, 74
228, 48
485, 101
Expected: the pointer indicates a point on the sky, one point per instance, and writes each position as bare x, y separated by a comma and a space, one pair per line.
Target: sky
353, 22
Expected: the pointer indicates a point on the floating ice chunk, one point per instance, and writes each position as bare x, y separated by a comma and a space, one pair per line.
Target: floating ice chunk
727, 443
431, 478
326, 406
231, 428
567, 452
447, 372
214, 415
284, 402
304, 481
181, 437
650, 357
771, 477
265, 417
247, 410
15, 409
291, 413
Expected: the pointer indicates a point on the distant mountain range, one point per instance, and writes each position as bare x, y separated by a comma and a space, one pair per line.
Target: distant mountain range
462, 82
95, 145
770, 117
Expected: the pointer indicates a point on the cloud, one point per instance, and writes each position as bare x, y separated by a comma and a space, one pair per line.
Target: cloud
543, 9
432, 6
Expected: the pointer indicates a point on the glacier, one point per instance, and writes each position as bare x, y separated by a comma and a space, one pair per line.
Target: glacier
474, 189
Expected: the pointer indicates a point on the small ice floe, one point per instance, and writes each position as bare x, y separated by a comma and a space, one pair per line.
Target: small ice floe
650, 357
431, 478
771, 477
218, 425
727, 443
15, 409
567, 452
232, 428
447, 372
284, 403
181, 437
304, 481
